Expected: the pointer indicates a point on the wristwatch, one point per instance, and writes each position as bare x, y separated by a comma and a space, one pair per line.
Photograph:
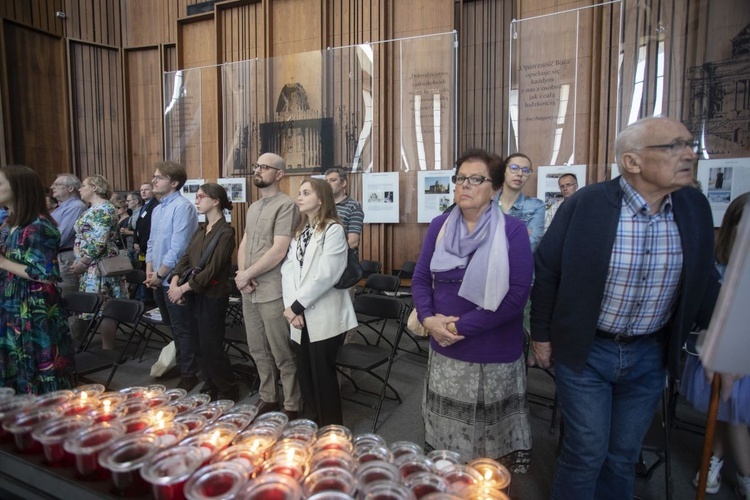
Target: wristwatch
160, 276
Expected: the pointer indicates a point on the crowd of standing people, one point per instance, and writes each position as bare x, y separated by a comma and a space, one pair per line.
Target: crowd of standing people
611, 316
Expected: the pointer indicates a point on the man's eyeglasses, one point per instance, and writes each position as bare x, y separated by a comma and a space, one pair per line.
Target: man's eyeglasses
263, 168
158, 178
568, 185
677, 146
474, 180
525, 171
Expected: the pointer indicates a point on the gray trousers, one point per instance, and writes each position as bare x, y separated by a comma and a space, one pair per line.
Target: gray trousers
270, 346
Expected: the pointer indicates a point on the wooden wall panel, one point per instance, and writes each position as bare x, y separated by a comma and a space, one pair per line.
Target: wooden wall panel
241, 31
36, 103
97, 117
93, 21
39, 14
143, 87
295, 26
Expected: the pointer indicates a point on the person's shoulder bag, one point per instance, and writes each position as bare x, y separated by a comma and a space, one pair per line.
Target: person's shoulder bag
202, 262
353, 271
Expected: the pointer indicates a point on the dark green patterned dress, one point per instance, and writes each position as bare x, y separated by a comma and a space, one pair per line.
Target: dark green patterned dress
36, 353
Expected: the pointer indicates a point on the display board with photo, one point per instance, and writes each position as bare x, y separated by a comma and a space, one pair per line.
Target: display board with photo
722, 180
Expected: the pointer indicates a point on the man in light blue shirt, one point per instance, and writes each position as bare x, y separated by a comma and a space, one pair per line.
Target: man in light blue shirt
173, 224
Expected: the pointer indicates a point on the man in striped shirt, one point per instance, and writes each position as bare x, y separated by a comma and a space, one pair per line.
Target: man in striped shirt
348, 209
623, 273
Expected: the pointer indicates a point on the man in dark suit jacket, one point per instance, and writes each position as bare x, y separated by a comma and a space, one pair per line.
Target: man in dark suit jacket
143, 224
622, 275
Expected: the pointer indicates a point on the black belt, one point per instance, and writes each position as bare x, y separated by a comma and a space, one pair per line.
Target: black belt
620, 338
65, 250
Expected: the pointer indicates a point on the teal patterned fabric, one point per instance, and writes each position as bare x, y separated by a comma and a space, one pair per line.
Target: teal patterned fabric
36, 352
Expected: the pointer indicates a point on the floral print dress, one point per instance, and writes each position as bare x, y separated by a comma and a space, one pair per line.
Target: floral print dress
36, 351
96, 236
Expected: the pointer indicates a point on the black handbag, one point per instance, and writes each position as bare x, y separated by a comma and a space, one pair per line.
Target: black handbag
204, 258
353, 271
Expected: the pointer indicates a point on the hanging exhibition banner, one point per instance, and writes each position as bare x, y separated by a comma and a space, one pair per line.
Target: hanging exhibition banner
547, 187
723, 180
434, 193
182, 117
380, 197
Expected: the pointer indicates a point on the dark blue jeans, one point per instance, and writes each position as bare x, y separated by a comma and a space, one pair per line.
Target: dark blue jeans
607, 410
178, 317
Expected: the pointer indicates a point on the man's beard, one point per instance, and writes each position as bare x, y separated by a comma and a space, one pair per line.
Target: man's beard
260, 183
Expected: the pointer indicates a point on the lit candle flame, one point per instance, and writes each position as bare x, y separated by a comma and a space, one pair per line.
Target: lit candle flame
255, 446
488, 475
107, 403
290, 455
84, 396
215, 437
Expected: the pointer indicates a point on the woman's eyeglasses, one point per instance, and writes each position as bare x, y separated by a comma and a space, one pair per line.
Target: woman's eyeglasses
474, 180
525, 171
200, 196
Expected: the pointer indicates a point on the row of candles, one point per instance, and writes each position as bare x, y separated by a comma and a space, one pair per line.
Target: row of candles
179, 446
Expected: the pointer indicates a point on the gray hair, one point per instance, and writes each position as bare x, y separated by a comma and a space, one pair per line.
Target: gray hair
70, 180
633, 137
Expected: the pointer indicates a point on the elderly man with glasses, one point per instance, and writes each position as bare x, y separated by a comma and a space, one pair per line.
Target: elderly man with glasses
270, 226
622, 275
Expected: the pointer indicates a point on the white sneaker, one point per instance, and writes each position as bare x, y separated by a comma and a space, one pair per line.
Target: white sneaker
743, 486
714, 475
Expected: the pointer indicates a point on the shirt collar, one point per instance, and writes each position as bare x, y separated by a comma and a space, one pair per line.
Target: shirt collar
170, 197
637, 204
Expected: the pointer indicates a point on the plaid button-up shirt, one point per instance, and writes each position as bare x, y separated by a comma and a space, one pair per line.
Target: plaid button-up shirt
644, 270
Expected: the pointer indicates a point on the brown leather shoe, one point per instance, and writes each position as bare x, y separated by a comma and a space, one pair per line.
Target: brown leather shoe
265, 406
291, 414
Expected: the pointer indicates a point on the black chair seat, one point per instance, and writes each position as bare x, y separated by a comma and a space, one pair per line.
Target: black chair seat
362, 357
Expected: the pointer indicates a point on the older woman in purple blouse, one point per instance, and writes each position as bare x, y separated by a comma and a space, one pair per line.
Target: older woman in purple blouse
470, 286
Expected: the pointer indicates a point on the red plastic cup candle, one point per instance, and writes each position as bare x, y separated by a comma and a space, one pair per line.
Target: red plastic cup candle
79, 407
107, 411
494, 474
9, 407
275, 419
21, 425
332, 441
369, 453
55, 398
414, 464
167, 433
271, 487
292, 451
212, 440
194, 423
369, 439
329, 479
53, 433
424, 483
482, 492
124, 458
460, 476
134, 406
243, 455
376, 470
184, 406
260, 439
220, 480
238, 420
246, 409
91, 390
401, 448
134, 392
444, 458
168, 470
386, 490
279, 464
332, 458
176, 393
86, 445
136, 423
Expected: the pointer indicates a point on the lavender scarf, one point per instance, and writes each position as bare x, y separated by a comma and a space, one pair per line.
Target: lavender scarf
484, 254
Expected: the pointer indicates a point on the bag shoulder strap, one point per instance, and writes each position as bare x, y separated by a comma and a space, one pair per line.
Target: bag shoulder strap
210, 249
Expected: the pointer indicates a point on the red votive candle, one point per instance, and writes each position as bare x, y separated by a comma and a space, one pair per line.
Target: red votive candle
124, 458
86, 445
53, 433
168, 471
329, 479
220, 480
271, 487
424, 483
9, 407
24, 422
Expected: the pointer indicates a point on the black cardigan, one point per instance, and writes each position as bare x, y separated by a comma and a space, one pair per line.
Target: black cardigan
572, 262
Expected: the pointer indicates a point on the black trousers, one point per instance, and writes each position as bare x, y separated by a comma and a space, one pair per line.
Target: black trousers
207, 317
318, 380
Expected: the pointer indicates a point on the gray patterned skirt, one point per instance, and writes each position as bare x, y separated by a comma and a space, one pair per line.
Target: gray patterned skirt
478, 410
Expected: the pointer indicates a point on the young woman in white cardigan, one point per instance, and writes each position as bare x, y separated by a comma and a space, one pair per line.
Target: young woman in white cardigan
319, 314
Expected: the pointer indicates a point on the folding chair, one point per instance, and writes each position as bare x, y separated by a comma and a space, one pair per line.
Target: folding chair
83, 303
235, 345
359, 357
90, 358
540, 399
369, 267
378, 284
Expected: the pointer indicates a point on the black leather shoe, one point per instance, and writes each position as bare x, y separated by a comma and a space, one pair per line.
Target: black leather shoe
234, 394
188, 383
265, 406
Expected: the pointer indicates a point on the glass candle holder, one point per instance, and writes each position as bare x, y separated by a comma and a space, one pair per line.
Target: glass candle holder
200, 399
368, 440
163, 414
271, 486
332, 441
219, 480
224, 404
494, 474
401, 448
86, 445
274, 418
332, 458
414, 464
424, 483
7, 392
291, 451
135, 405
335, 430
167, 433
259, 439
444, 458
160, 399
194, 423
136, 423
55, 398
243, 455
133, 392
158, 389
53, 433
210, 413
211, 440
385, 490
303, 422
184, 406
176, 393
124, 459
442, 495
376, 470
168, 470
330, 495
106, 412
91, 390
368, 453
279, 464
460, 476
246, 409
21, 425
238, 420
482, 492
297, 434
9, 407
329, 479
78, 407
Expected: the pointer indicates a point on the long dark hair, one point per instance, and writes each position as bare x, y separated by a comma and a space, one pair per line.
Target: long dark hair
327, 213
728, 229
29, 195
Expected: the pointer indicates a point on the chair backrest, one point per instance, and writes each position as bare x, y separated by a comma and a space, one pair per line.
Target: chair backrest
370, 267
380, 306
383, 283
124, 311
82, 302
407, 269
